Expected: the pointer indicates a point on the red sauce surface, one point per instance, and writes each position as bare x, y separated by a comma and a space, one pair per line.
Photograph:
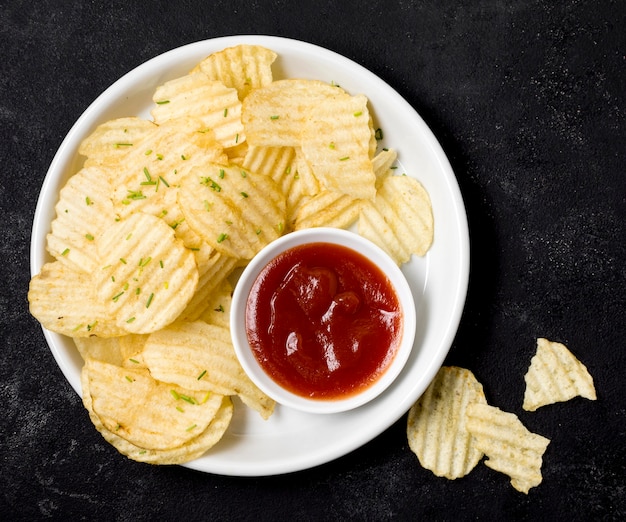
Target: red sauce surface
323, 321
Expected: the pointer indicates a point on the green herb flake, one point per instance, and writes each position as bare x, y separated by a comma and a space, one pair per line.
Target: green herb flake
116, 297
210, 183
358, 113
222, 237
130, 320
65, 252
89, 237
378, 134
201, 375
274, 117
118, 145
244, 194
225, 112
191, 427
149, 300
345, 158
88, 201
162, 102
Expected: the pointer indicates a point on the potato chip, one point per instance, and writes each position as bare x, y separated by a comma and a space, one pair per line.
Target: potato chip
400, 220
274, 162
200, 357
335, 141
105, 349
83, 212
509, 446
147, 276
178, 455
145, 412
217, 308
327, 209
244, 67
436, 426
382, 164
275, 115
131, 348
555, 375
212, 278
196, 95
236, 212
111, 141
65, 301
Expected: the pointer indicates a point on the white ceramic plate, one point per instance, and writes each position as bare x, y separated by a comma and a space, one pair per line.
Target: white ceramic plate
291, 440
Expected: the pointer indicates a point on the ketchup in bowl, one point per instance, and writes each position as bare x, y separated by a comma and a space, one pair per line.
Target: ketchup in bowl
323, 320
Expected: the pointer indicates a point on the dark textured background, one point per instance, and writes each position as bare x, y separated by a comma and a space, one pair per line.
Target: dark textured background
527, 100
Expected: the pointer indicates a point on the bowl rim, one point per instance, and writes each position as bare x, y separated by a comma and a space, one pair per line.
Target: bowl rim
347, 239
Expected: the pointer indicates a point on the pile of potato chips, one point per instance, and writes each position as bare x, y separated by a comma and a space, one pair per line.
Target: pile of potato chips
451, 427
149, 233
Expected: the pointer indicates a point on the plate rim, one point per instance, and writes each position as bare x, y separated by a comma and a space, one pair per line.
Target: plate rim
37, 251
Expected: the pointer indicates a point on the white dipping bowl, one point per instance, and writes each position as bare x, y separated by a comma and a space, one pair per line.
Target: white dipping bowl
246, 355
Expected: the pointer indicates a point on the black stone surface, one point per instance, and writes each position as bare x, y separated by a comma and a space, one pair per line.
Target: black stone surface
527, 100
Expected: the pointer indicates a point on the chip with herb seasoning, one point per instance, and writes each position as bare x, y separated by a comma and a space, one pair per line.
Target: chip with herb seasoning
199, 356
210, 101
109, 143
235, 211
147, 276
65, 301
84, 211
244, 67
191, 450
145, 412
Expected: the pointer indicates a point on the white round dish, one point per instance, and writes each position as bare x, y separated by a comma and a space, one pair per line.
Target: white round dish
291, 440
239, 335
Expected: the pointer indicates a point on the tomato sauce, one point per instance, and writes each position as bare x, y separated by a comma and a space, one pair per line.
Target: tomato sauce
323, 321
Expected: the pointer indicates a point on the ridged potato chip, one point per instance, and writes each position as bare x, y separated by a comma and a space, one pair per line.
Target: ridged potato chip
244, 67
104, 349
147, 413
191, 450
65, 301
555, 375
84, 211
196, 95
508, 445
200, 357
275, 115
147, 276
400, 220
109, 143
436, 425
217, 309
212, 279
327, 209
235, 211
382, 164
335, 141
